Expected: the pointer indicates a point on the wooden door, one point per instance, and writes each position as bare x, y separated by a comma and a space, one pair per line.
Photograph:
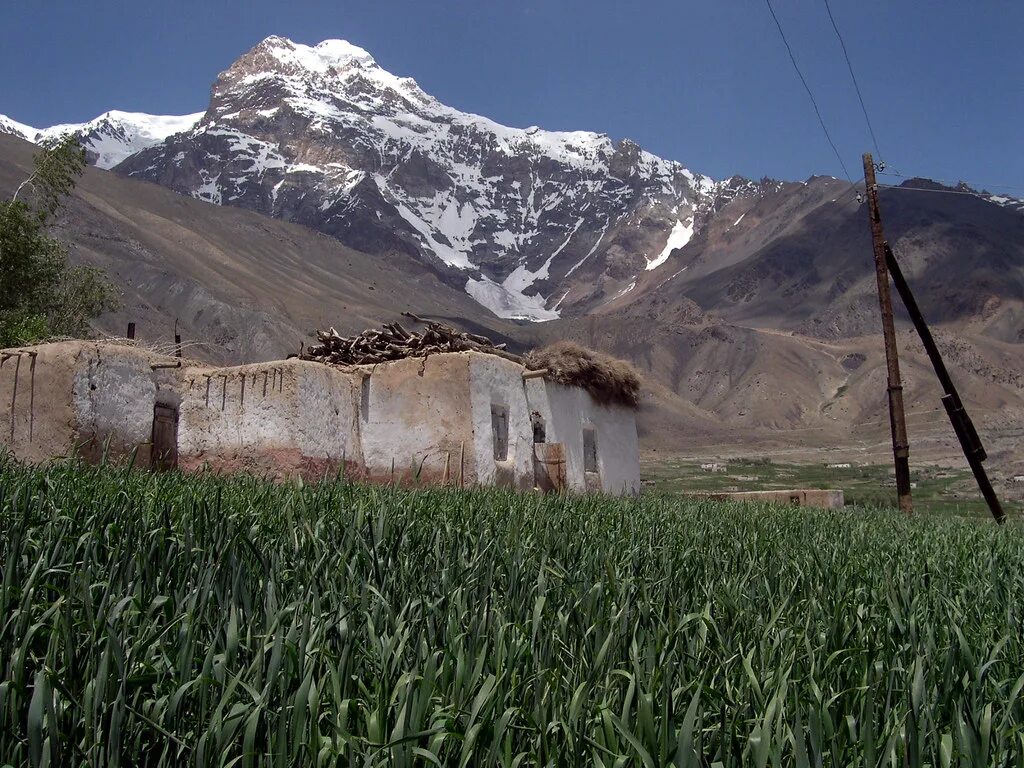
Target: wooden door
165, 438
549, 467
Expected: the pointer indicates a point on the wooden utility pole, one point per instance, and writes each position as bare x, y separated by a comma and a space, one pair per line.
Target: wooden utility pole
974, 451
897, 416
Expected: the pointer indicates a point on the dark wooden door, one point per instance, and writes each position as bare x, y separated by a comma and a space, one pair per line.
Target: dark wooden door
165, 437
549, 467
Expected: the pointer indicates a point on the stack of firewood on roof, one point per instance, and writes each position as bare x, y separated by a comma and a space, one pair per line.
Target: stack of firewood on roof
393, 342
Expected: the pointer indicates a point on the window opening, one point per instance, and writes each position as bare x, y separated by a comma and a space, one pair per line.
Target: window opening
589, 449
539, 432
364, 398
499, 427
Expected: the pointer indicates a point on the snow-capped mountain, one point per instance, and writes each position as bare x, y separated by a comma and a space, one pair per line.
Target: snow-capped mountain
527, 221
111, 137
9, 126
532, 224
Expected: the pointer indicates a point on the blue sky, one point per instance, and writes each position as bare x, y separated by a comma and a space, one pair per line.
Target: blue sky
707, 83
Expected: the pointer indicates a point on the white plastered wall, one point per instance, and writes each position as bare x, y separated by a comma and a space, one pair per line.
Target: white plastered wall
225, 410
327, 416
114, 391
496, 381
566, 412
278, 418
414, 415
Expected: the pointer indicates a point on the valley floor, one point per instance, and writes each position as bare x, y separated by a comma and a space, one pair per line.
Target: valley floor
937, 489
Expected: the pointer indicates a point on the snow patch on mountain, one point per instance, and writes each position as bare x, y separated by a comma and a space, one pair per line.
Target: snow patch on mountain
522, 277
625, 290
589, 253
210, 190
509, 304
1004, 201
679, 236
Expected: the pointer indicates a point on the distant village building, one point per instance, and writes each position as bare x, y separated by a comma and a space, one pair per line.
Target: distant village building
799, 497
842, 465
461, 419
713, 467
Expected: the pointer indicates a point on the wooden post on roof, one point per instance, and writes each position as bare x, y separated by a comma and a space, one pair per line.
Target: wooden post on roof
897, 415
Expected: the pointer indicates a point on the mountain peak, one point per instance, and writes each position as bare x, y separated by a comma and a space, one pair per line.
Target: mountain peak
329, 68
321, 58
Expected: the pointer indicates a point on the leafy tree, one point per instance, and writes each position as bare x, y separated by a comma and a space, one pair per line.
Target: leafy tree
40, 295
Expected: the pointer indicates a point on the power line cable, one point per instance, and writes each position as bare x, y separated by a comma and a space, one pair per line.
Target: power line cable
902, 188
944, 182
867, 120
807, 88
856, 85
853, 189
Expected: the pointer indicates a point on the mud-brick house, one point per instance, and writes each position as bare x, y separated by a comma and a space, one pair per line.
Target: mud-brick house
463, 418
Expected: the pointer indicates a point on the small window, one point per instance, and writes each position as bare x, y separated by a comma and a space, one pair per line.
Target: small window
589, 449
499, 427
364, 397
539, 432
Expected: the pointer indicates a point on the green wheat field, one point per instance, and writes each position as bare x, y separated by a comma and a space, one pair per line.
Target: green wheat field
193, 620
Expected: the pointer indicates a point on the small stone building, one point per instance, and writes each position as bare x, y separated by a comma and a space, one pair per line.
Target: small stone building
463, 418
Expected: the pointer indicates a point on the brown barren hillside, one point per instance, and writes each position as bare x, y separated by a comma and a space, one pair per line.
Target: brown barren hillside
244, 287
249, 287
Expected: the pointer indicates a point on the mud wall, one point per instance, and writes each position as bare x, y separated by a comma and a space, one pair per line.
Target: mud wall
415, 416
566, 412
426, 420
290, 418
80, 398
494, 381
797, 497
114, 392
38, 416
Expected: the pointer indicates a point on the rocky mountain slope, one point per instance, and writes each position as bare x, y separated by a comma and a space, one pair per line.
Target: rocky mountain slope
538, 225
799, 259
531, 223
110, 138
239, 286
